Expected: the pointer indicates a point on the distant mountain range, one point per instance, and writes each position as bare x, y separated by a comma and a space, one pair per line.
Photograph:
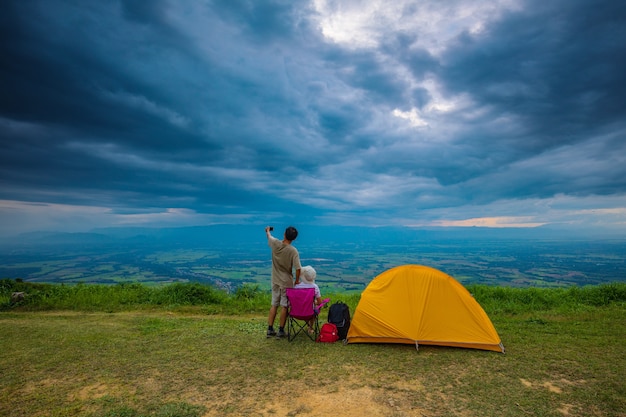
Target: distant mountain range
254, 234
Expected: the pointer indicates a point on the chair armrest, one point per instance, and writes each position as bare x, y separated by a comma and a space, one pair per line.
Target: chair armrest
321, 305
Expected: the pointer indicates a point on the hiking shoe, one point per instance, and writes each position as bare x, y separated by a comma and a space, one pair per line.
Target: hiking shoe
281, 334
271, 333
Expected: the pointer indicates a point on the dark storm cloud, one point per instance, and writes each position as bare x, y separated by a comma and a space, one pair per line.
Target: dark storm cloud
149, 12
558, 66
89, 95
366, 72
264, 21
317, 109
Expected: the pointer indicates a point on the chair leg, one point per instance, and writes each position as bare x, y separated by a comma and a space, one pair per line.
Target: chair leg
295, 327
316, 327
316, 331
291, 332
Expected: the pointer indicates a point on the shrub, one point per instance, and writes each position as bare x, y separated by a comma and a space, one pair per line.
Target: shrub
247, 292
188, 294
522, 300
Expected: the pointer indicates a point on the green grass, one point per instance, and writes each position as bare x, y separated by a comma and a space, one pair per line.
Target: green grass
189, 350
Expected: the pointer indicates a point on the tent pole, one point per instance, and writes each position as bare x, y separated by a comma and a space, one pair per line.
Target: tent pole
417, 347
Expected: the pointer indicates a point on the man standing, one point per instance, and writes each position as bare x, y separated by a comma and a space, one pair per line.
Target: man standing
285, 258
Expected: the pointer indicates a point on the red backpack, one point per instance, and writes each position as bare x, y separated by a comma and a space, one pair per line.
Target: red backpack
328, 333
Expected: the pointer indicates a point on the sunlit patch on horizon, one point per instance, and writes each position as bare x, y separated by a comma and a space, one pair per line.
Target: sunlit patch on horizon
494, 222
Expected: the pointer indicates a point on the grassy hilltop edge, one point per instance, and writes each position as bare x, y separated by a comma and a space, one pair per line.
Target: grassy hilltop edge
189, 349
251, 298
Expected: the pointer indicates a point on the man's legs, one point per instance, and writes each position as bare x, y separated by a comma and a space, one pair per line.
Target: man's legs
273, 310
284, 307
283, 317
270, 321
272, 316
279, 298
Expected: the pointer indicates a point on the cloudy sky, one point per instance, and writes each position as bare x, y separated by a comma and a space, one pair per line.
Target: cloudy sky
405, 112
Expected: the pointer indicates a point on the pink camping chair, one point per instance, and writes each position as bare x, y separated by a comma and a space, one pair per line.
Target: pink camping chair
301, 310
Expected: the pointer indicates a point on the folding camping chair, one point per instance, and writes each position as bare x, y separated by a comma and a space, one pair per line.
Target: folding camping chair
301, 310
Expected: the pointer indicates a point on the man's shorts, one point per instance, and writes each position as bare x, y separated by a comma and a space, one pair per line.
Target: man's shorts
279, 296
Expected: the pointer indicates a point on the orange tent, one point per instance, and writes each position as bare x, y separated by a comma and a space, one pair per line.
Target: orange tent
419, 305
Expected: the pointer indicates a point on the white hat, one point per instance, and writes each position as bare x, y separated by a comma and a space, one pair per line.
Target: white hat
308, 274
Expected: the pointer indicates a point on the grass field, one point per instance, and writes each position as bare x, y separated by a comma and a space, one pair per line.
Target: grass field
565, 357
